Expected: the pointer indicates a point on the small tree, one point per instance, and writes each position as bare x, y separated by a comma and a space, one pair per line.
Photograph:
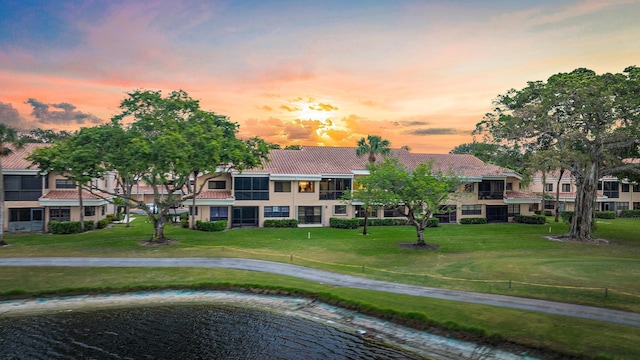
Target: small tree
421, 191
8, 137
77, 157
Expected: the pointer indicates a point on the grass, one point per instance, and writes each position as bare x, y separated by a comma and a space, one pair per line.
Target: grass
471, 257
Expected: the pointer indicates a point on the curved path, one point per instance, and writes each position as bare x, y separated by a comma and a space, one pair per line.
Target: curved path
330, 278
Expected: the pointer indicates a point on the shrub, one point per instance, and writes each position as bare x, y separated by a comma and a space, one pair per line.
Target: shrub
384, 222
548, 213
110, 217
184, 220
433, 222
340, 223
535, 219
101, 224
89, 225
605, 214
69, 227
475, 220
566, 216
630, 213
538, 212
211, 225
281, 223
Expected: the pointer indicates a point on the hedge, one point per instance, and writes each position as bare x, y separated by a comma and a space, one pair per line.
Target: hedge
211, 225
630, 213
474, 220
282, 223
69, 227
605, 214
340, 223
354, 223
384, 222
566, 216
535, 219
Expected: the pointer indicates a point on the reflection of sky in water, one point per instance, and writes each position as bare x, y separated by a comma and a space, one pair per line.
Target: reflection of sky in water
182, 332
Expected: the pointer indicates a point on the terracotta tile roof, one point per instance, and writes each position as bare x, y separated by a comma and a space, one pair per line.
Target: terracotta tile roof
70, 195
16, 159
343, 160
215, 195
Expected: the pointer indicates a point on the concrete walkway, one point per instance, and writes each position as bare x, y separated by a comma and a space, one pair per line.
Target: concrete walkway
335, 279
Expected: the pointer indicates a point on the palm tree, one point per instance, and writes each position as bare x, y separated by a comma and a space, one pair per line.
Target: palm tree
8, 136
372, 146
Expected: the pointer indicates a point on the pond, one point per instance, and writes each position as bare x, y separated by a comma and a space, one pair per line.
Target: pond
182, 332
186, 324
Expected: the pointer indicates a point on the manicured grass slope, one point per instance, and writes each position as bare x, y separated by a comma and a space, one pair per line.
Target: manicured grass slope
489, 254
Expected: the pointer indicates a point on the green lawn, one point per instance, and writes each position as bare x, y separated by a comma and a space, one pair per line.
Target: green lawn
481, 258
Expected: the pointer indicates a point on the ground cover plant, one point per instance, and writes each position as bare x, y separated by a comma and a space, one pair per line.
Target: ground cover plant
510, 259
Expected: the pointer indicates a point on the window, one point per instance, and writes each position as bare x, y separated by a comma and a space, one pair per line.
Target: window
625, 187
191, 211
509, 186
491, 189
548, 187
513, 210
20, 214
282, 186
340, 209
636, 188
360, 211
622, 205
468, 188
610, 189
472, 209
305, 186
217, 185
276, 211
566, 188
251, 188
22, 188
65, 184
636, 206
549, 205
104, 210
89, 211
310, 214
218, 213
60, 214
333, 188
393, 211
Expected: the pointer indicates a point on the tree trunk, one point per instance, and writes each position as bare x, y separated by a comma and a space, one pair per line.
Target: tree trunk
582, 220
158, 227
81, 204
420, 231
558, 195
192, 215
2, 242
366, 220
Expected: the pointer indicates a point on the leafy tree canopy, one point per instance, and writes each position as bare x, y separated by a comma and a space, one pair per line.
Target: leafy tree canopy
593, 119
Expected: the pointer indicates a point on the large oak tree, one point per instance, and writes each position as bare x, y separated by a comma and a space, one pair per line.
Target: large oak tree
168, 141
595, 119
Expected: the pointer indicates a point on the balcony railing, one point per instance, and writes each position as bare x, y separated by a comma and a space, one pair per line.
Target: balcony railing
490, 195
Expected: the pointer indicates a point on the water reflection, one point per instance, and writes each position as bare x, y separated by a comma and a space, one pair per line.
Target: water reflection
182, 332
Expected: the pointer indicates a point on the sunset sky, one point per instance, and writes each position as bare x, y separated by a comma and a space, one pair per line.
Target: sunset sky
419, 73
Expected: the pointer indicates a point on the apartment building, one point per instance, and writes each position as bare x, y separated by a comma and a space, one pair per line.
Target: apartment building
308, 184
613, 194
31, 201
